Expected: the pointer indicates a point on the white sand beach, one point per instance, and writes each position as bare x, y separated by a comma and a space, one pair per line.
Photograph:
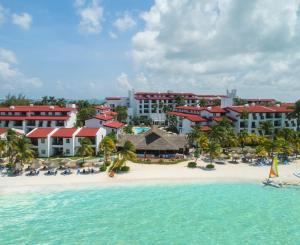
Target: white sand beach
147, 174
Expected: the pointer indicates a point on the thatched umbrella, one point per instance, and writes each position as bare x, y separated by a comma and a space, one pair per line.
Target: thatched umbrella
88, 164
71, 164
35, 164
54, 164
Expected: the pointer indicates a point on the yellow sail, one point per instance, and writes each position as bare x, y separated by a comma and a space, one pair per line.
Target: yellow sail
274, 168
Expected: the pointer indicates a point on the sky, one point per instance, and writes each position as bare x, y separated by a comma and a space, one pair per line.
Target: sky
95, 48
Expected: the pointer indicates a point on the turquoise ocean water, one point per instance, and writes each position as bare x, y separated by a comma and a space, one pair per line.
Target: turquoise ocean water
180, 214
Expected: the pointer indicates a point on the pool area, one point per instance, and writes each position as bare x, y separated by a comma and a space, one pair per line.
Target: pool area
139, 130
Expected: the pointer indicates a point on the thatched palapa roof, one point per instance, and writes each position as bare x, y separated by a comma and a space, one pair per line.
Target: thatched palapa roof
155, 139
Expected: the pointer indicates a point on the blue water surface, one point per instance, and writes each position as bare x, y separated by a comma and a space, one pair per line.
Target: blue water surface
180, 214
139, 130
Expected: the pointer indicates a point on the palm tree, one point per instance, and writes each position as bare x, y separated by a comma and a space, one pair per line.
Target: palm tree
85, 149
23, 148
2, 147
194, 135
244, 116
243, 138
296, 114
128, 151
11, 137
202, 141
202, 102
213, 149
107, 146
267, 128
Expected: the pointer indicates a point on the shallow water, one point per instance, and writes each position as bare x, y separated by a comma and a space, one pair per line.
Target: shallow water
179, 214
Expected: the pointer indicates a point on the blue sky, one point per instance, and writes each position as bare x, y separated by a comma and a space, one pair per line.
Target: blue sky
95, 48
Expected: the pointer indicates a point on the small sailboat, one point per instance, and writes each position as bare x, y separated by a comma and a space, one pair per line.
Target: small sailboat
273, 173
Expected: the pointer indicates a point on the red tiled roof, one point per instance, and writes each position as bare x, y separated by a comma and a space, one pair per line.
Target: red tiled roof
205, 128
87, 132
114, 124
36, 108
64, 133
110, 113
40, 133
102, 107
191, 117
104, 117
42, 118
3, 130
261, 100
251, 109
211, 109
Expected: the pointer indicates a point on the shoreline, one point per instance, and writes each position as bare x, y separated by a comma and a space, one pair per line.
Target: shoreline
149, 175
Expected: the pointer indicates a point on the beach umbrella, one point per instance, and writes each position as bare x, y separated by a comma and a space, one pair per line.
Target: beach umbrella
54, 164
64, 161
88, 164
71, 164
35, 164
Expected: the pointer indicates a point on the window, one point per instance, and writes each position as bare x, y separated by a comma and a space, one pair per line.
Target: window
43, 152
68, 141
68, 151
43, 141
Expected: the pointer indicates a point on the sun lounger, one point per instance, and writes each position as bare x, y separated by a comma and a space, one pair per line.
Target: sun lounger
297, 174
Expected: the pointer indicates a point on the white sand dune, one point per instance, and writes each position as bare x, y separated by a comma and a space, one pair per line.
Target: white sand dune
145, 174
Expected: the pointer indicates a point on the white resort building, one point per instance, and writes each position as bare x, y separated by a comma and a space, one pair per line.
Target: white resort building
246, 117
63, 141
26, 118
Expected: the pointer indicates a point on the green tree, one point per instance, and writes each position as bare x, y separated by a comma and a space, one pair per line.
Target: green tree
128, 151
128, 129
23, 149
2, 147
296, 114
107, 147
122, 113
85, 114
11, 137
267, 128
85, 149
15, 100
203, 102
213, 150
179, 100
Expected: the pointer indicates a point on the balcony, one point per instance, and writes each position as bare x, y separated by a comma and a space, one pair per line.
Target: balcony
57, 141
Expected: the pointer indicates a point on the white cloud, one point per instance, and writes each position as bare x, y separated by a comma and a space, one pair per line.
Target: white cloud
124, 22
22, 20
123, 82
113, 35
3, 13
10, 76
91, 16
249, 45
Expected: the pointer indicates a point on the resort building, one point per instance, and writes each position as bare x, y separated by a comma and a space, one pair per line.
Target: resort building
101, 109
26, 118
98, 121
246, 117
188, 117
63, 141
155, 105
156, 143
250, 117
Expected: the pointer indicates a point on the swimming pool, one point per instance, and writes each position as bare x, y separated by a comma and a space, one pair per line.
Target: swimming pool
139, 130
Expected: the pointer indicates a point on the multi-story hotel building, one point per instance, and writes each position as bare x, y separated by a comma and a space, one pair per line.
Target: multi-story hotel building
246, 117
154, 105
26, 118
63, 141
